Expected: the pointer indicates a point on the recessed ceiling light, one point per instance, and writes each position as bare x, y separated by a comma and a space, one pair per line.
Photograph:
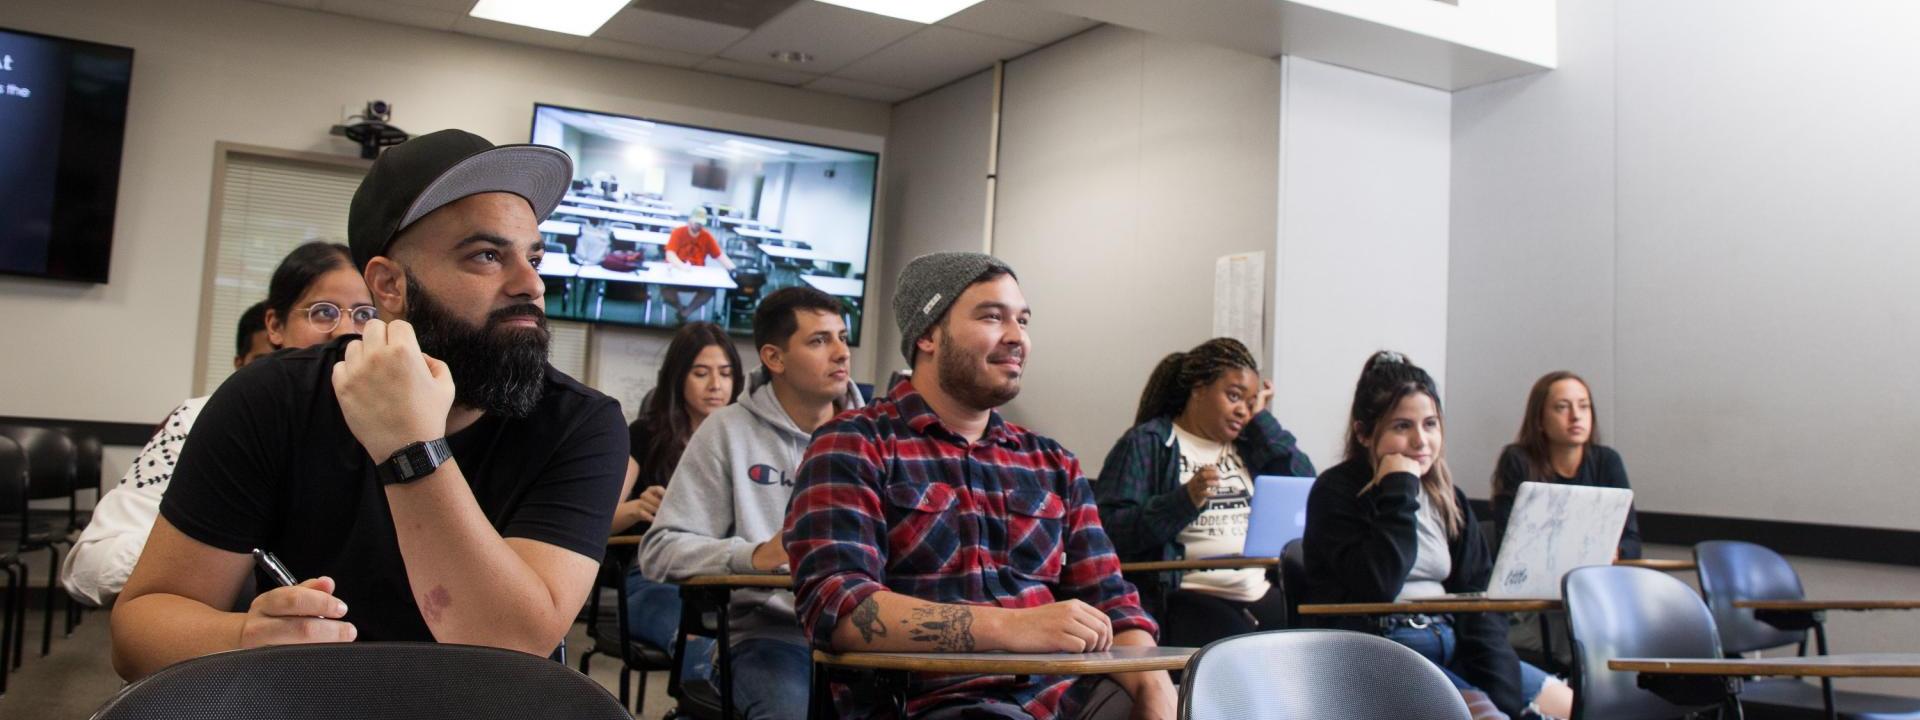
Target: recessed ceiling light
790, 56
573, 17
920, 11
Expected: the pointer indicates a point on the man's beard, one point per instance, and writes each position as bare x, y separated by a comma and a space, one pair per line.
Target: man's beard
496, 369
963, 376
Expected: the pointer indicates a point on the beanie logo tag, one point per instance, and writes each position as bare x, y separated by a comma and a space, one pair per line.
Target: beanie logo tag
932, 301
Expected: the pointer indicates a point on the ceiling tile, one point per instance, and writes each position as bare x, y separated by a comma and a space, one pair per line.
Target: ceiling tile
641, 53
833, 35
517, 33
686, 35
781, 76
1009, 19
393, 12
864, 91
932, 57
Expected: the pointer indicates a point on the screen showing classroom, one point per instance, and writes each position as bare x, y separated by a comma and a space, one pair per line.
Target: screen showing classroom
63, 115
658, 211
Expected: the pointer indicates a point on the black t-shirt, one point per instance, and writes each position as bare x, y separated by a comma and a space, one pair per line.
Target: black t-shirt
1599, 467
271, 464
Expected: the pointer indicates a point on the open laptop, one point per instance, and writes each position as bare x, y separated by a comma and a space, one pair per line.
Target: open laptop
1279, 514
1554, 528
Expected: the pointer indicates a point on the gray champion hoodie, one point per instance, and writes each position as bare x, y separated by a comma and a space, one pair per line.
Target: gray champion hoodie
728, 495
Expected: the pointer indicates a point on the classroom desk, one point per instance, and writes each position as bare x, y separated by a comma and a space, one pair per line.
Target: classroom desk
895, 668
1230, 563
1825, 667
624, 540
656, 209
1659, 564
559, 265
794, 253
1812, 615
759, 234
716, 591
837, 286
644, 237
1432, 607
560, 227
739, 221
609, 215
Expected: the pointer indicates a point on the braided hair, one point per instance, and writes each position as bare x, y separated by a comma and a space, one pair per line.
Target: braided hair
1174, 379
1388, 378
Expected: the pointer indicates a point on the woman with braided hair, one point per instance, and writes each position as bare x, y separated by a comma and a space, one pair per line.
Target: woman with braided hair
1388, 524
1179, 484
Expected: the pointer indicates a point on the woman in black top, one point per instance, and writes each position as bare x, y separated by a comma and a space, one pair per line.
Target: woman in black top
1388, 524
1559, 442
701, 374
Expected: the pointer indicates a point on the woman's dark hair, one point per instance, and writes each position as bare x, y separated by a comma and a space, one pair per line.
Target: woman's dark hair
1533, 430
1388, 378
1173, 380
665, 413
301, 268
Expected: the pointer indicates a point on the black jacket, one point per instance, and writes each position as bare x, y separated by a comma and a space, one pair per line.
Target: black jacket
1359, 548
1144, 507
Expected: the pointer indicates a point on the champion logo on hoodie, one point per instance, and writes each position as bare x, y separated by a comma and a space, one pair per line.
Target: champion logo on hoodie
768, 475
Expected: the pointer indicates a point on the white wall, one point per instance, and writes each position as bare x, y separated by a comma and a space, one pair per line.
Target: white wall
249, 72
935, 175
1129, 163
1532, 280
1362, 252
1760, 241
831, 213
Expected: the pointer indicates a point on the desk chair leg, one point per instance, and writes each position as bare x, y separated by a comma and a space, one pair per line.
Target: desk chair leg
20, 620
894, 684
53, 582
1546, 646
6, 625
1826, 684
726, 655
817, 698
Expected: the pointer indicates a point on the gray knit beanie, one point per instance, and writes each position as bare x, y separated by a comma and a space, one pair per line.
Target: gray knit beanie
929, 285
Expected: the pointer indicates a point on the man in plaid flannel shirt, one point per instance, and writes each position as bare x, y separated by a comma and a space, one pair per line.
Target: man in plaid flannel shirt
926, 522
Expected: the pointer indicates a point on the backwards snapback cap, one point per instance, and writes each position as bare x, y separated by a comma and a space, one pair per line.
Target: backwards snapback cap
427, 173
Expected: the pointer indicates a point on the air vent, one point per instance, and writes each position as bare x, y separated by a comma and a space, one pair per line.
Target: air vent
746, 14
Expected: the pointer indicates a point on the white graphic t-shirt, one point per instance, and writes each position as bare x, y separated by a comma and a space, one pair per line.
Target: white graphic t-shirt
1221, 528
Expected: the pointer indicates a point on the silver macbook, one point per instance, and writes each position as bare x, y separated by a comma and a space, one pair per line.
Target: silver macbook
1554, 528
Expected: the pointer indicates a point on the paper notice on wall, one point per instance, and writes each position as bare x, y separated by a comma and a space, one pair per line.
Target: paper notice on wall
1240, 298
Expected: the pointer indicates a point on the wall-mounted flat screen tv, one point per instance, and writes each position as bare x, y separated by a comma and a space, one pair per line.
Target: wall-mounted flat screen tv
669, 223
63, 116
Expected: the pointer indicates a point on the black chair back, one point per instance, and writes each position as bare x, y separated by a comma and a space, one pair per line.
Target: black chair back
87, 461
1732, 570
50, 460
13, 479
1293, 580
1317, 675
1617, 612
365, 681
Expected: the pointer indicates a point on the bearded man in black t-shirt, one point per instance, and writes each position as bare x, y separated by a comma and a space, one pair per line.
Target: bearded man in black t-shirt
433, 479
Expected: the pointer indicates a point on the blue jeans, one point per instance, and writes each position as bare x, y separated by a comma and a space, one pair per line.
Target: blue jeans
653, 617
1436, 643
771, 679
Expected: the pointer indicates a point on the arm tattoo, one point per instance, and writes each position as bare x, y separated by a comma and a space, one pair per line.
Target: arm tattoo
866, 619
948, 627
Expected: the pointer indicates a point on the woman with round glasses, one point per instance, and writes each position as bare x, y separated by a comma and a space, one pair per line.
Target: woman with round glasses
315, 295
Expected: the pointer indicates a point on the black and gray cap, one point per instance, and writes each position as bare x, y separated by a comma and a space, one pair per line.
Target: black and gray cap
426, 173
928, 286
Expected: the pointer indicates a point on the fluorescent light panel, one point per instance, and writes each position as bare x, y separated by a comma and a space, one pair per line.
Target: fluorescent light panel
920, 11
573, 17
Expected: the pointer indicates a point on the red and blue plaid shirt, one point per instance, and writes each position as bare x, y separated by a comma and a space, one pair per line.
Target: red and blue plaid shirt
889, 499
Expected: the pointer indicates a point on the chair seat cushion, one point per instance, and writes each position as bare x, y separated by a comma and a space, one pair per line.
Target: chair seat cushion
1790, 699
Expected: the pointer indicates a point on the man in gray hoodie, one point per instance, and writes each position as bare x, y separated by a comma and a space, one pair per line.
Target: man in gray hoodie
728, 498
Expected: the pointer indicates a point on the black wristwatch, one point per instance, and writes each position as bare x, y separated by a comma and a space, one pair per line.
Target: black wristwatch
413, 462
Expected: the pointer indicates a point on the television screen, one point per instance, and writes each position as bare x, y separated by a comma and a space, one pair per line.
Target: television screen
669, 223
63, 113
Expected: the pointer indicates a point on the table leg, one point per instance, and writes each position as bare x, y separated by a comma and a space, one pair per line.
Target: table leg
1546, 645
1826, 683
725, 599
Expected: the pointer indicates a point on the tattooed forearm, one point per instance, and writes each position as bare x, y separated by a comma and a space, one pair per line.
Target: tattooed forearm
866, 619
948, 627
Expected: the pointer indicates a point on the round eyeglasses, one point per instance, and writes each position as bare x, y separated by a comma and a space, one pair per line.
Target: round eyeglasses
325, 316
